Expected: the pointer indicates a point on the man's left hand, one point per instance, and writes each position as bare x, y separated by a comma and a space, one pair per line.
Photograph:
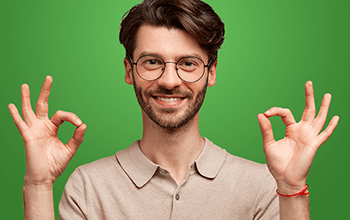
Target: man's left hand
289, 159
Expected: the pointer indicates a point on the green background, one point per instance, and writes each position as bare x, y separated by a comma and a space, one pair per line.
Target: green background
272, 48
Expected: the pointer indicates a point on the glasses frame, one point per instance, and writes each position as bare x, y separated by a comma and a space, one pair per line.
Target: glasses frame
164, 66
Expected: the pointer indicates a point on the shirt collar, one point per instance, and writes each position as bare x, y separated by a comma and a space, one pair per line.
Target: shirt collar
140, 169
210, 160
136, 165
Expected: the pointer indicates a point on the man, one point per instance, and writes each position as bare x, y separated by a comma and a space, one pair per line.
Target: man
172, 172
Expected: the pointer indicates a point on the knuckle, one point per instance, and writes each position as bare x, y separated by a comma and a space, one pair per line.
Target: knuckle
288, 111
311, 110
59, 112
78, 139
273, 109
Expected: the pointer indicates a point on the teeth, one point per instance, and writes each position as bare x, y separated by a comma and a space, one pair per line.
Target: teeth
168, 99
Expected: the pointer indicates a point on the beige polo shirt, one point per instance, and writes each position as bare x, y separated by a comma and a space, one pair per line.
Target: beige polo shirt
218, 185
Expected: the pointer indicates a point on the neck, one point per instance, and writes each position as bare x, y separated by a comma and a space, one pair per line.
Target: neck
174, 150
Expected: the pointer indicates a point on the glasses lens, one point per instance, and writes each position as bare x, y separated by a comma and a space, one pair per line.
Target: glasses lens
190, 69
150, 67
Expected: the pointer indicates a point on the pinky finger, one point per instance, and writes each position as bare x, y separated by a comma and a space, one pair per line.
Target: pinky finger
20, 124
329, 130
78, 137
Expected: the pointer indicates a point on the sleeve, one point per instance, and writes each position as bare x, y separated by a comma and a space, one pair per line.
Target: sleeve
267, 207
73, 204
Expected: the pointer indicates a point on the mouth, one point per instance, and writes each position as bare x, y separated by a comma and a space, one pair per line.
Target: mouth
165, 99
169, 101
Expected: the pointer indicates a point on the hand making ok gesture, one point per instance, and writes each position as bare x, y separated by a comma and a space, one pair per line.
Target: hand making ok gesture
46, 155
289, 159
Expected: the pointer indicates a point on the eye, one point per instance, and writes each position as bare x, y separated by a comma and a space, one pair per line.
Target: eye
189, 64
152, 62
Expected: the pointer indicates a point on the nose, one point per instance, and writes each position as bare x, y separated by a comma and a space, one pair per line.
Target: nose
169, 78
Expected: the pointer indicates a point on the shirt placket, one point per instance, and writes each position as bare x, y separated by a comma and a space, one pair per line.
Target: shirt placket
178, 198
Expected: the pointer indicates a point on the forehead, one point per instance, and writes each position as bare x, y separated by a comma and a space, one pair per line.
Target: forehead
170, 44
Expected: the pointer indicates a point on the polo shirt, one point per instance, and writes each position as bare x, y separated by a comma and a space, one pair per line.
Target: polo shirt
128, 185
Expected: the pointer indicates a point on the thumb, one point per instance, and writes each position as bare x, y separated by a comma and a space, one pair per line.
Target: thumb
266, 129
77, 138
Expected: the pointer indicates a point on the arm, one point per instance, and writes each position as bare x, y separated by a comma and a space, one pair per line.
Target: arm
46, 155
289, 159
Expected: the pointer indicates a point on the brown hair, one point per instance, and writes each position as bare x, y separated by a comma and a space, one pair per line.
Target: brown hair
193, 16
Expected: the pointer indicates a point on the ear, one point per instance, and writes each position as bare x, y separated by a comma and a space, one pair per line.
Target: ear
212, 74
128, 72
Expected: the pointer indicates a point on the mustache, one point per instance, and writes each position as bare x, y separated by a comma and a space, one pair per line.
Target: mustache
174, 91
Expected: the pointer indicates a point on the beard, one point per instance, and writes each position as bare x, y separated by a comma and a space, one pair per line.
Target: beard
168, 118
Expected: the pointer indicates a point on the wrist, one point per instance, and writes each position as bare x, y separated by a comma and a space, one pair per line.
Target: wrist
38, 180
37, 184
29, 186
302, 192
288, 189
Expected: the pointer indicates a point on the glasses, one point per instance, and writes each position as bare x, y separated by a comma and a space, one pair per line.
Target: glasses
189, 69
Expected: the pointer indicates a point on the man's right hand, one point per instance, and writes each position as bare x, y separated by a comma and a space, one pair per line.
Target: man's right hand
46, 156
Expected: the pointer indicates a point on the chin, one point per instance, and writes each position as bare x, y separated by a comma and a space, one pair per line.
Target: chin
171, 120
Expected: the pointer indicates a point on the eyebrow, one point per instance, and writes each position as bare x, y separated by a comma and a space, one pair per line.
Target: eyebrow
176, 58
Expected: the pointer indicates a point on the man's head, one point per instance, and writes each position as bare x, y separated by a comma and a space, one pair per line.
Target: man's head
193, 16
171, 30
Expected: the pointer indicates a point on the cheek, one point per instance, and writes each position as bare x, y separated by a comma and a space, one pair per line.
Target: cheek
142, 86
198, 87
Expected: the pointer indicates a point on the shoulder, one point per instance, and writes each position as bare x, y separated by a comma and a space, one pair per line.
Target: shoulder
215, 160
244, 172
97, 170
247, 169
232, 164
104, 163
240, 163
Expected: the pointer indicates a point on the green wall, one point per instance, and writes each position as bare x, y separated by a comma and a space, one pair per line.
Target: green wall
272, 48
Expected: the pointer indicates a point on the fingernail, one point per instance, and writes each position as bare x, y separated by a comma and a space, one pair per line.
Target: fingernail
78, 121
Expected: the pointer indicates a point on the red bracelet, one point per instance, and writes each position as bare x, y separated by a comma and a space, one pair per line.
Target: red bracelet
296, 194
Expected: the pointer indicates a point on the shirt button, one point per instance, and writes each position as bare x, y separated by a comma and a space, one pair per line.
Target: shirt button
161, 172
177, 197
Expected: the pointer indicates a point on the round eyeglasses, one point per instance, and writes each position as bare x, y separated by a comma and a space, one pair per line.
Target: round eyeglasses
151, 67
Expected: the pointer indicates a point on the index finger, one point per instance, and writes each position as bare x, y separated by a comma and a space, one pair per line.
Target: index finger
42, 106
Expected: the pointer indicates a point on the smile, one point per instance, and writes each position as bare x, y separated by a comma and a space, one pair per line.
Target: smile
168, 102
168, 99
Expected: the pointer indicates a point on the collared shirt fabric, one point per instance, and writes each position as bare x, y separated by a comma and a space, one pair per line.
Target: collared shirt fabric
128, 185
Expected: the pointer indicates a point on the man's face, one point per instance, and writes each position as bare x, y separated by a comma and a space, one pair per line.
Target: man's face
168, 101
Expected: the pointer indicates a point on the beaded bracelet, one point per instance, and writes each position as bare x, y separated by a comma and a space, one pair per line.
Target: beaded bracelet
302, 192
